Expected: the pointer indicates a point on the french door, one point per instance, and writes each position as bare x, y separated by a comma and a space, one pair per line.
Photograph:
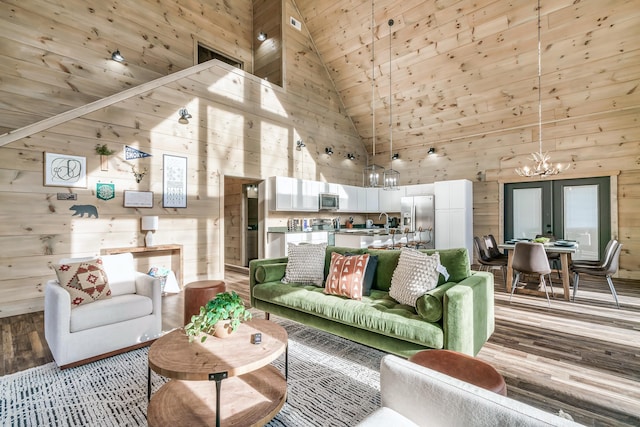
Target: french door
572, 209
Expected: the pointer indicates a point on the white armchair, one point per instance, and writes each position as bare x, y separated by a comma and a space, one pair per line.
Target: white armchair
130, 319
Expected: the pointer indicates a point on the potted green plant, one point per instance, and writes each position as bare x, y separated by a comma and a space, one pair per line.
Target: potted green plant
220, 316
104, 153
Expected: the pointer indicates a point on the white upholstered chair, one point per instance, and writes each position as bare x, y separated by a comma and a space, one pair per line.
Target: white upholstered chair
131, 318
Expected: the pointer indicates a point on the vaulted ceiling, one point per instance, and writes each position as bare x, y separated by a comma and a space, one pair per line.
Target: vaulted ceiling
467, 70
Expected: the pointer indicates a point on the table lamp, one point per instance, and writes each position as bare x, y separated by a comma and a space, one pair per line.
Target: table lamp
149, 224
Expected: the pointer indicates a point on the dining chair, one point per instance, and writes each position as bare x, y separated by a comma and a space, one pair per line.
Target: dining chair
608, 252
531, 258
486, 262
606, 270
554, 258
492, 247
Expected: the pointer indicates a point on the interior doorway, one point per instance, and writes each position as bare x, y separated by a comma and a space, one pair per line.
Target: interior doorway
241, 220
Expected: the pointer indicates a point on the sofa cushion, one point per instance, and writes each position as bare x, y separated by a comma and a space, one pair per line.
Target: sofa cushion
414, 276
121, 272
342, 251
85, 281
306, 264
456, 261
270, 272
387, 263
346, 275
107, 312
377, 312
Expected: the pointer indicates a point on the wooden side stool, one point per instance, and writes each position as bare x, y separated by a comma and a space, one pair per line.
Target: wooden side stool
462, 367
197, 294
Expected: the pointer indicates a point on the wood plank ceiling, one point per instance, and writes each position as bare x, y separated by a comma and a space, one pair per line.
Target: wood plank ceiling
463, 70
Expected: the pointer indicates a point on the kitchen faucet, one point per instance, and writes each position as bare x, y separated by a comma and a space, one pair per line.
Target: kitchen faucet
386, 223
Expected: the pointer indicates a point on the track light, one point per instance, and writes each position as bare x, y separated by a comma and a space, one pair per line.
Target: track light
117, 56
184, 116
262, 36
300, 144
328, 150
351, 156
395, 156
431, 151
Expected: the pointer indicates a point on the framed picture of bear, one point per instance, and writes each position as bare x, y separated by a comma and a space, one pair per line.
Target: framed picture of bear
63, 170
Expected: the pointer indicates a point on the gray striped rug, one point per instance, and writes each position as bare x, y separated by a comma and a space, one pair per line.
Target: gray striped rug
332, 382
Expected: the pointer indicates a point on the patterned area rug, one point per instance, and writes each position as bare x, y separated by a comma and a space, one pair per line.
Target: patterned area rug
332, 382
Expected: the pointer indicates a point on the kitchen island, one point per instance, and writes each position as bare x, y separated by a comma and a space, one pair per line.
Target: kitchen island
369, 238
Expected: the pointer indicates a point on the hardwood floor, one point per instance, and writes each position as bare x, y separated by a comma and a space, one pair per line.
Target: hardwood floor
582, 358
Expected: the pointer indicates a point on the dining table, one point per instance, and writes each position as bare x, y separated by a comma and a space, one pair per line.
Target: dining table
551, 248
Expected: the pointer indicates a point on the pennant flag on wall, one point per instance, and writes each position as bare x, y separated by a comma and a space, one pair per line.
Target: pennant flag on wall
131, 153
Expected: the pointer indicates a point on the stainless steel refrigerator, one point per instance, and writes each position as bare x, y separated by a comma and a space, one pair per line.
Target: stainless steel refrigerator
418, 213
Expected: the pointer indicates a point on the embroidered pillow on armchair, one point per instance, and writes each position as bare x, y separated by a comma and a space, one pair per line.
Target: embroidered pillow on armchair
85, 281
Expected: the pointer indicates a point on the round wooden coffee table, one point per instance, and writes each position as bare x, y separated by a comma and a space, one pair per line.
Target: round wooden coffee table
230, 374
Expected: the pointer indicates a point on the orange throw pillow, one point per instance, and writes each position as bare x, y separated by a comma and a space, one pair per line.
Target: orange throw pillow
346, 275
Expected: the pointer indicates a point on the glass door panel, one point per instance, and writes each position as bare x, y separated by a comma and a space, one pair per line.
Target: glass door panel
527, 212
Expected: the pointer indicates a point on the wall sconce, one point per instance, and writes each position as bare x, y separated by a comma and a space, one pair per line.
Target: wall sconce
117, 56
262, 36
300, 144
328, 151
431, 151
395, 156
149, 224
184, 116
351, 156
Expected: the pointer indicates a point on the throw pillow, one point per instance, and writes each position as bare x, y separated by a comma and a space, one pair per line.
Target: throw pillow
85, 281
346, 275
369, 274
305, 264
414, 276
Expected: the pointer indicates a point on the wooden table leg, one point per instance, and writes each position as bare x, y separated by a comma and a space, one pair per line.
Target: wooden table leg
509, 271
565, 259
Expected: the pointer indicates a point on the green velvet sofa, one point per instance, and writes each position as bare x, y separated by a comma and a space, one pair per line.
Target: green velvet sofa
457, 315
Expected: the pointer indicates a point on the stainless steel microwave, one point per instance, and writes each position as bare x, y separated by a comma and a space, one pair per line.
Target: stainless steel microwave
329, 202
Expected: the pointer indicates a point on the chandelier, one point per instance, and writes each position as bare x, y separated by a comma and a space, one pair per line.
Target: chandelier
391, 176
372, 174
542, 166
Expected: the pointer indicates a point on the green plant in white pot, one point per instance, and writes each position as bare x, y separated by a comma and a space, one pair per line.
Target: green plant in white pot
220, 316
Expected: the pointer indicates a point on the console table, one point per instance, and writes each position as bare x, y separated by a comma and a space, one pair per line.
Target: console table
174, 250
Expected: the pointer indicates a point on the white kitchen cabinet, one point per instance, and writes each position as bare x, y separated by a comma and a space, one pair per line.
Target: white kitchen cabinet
454, 215
281, 193
419, 189
389, 200
349, 198
372, 200
278, 242
291, 194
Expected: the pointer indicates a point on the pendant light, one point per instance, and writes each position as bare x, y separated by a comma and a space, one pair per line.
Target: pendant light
542, 166
372, 174
391, 176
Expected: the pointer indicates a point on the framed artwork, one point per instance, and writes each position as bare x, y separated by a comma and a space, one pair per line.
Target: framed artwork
62, 170
138, 199
174, 185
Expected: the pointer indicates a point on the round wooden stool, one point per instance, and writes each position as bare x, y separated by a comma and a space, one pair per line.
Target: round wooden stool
197, 294
462, 367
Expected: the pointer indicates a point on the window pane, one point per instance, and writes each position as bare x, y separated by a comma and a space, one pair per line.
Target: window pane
527, 212
581, 219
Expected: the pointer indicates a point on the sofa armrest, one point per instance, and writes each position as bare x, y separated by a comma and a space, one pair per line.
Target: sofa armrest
468, 318
430, 398
253, 265
151, 287
57, 315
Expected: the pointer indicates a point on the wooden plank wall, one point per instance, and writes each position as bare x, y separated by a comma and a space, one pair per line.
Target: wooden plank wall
464, 81
241, 127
